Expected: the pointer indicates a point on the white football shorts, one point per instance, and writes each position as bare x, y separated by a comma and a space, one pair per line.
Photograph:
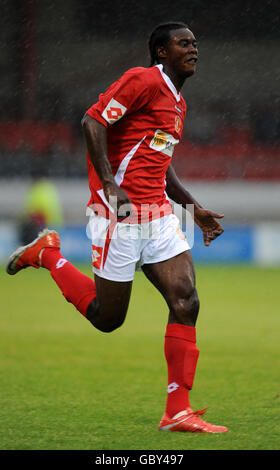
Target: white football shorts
118, 249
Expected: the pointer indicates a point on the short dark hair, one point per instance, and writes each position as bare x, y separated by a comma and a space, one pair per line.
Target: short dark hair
160, 37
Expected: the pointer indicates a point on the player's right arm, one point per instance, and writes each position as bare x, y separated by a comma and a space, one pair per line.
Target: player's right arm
127, 95
96, 140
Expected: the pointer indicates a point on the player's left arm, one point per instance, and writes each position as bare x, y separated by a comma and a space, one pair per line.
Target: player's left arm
204, 218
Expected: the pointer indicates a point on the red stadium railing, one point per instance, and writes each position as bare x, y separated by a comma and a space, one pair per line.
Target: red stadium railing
235, 154
38, 137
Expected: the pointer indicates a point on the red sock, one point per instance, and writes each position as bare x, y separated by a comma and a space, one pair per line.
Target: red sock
76, 287
181, 355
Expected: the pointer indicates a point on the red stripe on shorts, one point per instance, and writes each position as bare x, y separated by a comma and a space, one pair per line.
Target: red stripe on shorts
110, 231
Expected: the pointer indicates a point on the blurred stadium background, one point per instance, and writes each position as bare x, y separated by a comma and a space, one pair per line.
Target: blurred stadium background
56, 57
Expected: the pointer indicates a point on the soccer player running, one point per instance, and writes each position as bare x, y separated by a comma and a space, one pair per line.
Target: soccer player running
130, 134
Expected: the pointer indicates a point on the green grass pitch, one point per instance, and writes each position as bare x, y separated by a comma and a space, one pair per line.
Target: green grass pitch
65, 385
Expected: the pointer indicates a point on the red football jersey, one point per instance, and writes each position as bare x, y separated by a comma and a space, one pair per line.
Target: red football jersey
144, 116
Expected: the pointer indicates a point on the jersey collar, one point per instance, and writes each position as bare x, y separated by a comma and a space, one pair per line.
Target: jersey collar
169, 83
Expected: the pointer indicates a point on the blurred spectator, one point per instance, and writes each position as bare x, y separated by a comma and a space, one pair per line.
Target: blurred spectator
41, 208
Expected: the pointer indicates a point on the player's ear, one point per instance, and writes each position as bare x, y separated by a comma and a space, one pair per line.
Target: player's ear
161, 52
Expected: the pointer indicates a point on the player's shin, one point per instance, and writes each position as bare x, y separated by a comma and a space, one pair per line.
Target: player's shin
76, 287
181, 355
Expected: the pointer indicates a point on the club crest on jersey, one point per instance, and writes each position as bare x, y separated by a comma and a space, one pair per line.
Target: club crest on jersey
178, 123
163, 142
113, 111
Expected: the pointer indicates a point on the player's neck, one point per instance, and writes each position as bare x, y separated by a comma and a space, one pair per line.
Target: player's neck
177, 81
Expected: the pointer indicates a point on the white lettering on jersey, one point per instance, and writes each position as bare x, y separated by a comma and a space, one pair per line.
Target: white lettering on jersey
113, 111
163, 142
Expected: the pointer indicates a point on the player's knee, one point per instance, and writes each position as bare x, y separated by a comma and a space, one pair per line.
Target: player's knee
108, 325
103, 320
194, 305
185, 307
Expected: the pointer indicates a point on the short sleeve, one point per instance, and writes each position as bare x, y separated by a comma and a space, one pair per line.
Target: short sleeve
128, 94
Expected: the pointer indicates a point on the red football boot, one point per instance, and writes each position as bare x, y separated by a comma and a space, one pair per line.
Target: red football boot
189, 421
30, 255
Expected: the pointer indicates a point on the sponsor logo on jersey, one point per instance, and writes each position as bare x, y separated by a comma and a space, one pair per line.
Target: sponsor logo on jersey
178, 123
96, 256
163, 142
113, 111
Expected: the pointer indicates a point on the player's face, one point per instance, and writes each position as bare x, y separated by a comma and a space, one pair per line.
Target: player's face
182, 52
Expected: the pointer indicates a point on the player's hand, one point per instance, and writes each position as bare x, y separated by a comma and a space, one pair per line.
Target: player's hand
210, 227
118, 200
